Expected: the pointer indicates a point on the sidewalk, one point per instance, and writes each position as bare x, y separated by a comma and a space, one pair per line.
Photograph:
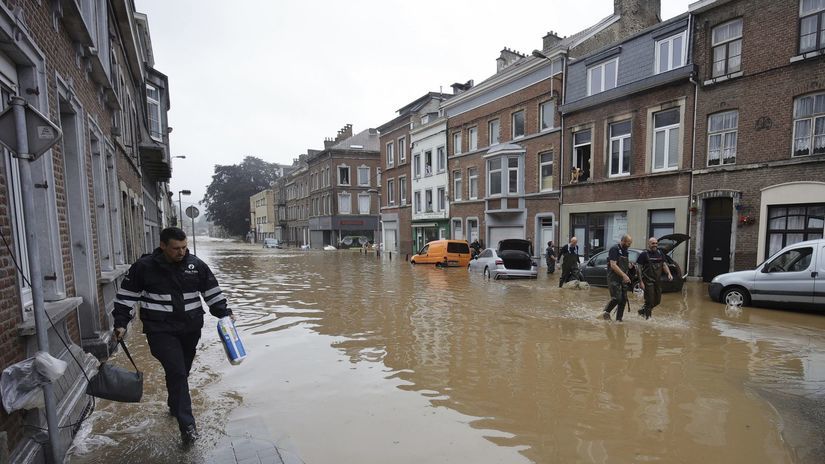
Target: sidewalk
249, 441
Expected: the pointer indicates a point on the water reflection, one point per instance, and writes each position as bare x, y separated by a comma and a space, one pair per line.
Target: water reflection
361, 360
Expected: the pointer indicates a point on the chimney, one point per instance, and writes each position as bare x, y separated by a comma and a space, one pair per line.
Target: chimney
344, 133
506, 58
373, 131
328, 143
459, 87
550, 40
638, 8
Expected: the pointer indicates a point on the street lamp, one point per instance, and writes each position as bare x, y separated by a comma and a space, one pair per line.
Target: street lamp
539, 54
180, 205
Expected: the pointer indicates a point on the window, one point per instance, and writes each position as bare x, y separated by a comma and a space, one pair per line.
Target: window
344, 203
457, 185
472, 230
796, 260
546, 111
722, 138
602, 77
428, 198
472, 136
661, 222
666, 140
390, 192
417, 165
546, 171
727, 48
512, 175
472, 178
620, 149
811, 25
17, 224
670, 52
417, 201
599, 231
402, 150
494, 176
442, 199
809, 125
457, 143
428, 163
390, 155
364, 203
343, 175
364, 176
789, 224
441, 154
518, 124
493, 132
556, 66
581, 156
458, 234
153, 108
402, 187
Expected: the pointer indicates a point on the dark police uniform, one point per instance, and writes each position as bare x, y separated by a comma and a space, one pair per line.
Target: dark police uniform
569, 256
169, 295
652, 265
618, 291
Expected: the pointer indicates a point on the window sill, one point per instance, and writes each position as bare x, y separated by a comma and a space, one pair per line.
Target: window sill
726, 77
111, 276
57, 311
807, 55
618, 176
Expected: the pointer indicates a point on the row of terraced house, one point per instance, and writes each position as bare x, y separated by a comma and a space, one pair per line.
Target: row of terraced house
101, 193
710, 124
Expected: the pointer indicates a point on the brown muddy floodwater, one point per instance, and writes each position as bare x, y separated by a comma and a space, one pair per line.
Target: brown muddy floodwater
358, 360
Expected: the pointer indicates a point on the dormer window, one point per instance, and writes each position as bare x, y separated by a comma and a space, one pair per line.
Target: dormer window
602, 76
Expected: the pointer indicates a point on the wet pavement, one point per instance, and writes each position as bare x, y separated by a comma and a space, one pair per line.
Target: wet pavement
359, 360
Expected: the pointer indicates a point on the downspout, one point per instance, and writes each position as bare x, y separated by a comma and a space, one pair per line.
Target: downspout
695, 83
562, 148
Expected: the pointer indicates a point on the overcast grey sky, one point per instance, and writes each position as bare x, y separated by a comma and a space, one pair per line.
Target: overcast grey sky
271, 78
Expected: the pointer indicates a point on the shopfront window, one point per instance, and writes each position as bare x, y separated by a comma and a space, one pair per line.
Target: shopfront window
598, 231
789, 224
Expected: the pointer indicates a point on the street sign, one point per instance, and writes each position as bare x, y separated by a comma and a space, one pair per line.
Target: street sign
192, 212
42, 133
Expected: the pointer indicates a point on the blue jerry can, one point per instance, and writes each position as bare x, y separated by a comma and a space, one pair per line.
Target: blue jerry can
231, 341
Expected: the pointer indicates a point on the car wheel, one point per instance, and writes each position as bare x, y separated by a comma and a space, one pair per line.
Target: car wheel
736, 296
487, 272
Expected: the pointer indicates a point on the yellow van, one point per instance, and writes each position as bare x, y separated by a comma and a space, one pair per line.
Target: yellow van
444, 253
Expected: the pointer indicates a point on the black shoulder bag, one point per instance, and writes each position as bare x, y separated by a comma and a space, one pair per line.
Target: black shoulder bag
117, 384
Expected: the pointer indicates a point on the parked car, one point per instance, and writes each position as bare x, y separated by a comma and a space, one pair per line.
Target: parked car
512, 259
443, 253
795, 275
272, 243
594, 271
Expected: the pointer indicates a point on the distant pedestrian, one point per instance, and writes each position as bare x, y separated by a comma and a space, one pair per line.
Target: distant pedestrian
569, 257
652, 263
618, 277
476, 247
550, 257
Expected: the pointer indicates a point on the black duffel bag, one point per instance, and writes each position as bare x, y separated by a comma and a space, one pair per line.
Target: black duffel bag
117, 384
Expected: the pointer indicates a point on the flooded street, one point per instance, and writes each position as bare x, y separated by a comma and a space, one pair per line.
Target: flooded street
359, 360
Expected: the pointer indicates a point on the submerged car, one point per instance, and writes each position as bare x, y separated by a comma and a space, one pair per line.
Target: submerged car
272, 243
353, 241
512, 259
594, 271
795, 275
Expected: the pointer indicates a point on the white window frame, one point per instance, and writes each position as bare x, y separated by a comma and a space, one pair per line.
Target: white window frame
417, 201
542, 164
543, 126
361, 196
725, 43
457, 185
428, 168
457, 143
349, 175
18, 227
810, 120
441, 158
815, 10
390, 192
390, 154
344, 198
669, 41
472, 183
428, 200
153, 108
417, 165
442, 199
513, 124
402, 190
472, 138
402, 150
623, 140
574, 161
493, 132
366, 169
510, 170
500, 172
603, 77
723, 134
667, 131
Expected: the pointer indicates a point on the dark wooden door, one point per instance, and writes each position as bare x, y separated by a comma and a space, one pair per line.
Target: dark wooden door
716, 248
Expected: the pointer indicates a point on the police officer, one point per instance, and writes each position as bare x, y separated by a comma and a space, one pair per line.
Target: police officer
550, 257
569, 257
618, 277
168, 285
652, 263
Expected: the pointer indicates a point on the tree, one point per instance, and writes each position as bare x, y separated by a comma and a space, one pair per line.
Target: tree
227, 197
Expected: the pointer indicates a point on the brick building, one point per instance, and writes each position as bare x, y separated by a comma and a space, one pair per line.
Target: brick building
759, 179
628, 137
296, 203
88, 67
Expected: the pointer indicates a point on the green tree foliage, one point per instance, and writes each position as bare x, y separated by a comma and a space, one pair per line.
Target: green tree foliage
227, 197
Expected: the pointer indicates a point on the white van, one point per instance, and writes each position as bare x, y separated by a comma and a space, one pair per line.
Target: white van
795, 275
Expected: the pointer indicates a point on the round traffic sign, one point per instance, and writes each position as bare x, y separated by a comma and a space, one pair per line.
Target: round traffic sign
192, 212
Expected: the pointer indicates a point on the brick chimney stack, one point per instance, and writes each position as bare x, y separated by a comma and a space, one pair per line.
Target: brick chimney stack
506, 58
638, 8
550, 40
344, 133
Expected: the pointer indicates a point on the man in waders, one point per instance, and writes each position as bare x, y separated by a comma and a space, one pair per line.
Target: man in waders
618, 277
652, 262
569, 257
168, 285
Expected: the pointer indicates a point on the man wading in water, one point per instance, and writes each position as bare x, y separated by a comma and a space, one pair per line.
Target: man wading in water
618, 278
652, 262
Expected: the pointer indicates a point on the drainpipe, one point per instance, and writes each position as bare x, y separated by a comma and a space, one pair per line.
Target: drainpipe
693, 144
35, 273
562, 148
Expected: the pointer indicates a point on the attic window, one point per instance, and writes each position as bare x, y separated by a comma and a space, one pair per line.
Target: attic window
357, 147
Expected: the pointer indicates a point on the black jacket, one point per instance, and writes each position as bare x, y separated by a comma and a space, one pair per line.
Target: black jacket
569, 257
169, 294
